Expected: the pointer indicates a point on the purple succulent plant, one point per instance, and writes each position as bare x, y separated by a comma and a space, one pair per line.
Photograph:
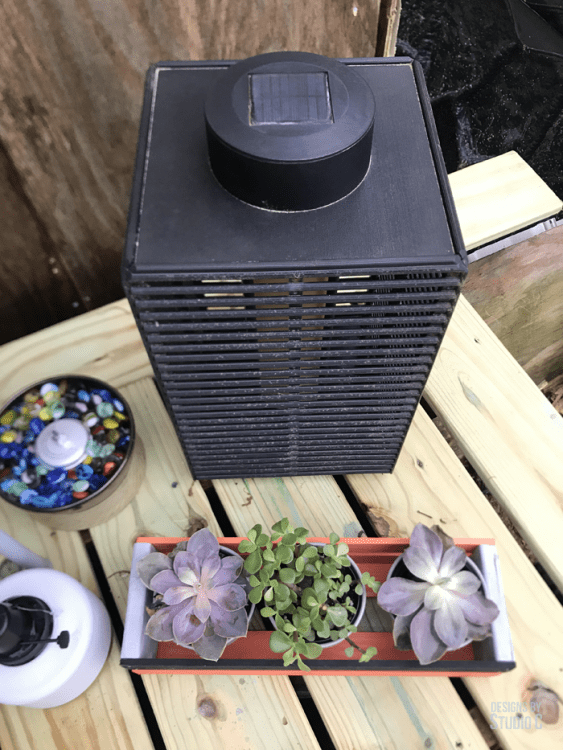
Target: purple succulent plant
203, 594
445, 609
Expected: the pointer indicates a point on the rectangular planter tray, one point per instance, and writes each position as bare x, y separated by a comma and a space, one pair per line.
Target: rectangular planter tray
252, 655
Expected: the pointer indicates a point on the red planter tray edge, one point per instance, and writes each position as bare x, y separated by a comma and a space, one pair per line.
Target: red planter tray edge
251, 655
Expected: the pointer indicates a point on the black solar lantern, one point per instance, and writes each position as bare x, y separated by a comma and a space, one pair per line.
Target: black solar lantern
292, 259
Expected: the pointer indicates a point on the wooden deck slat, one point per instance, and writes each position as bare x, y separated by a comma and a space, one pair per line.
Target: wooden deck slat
251, 712
499, 196
104, 343
359, 712
105, 717
506, 427
429, 485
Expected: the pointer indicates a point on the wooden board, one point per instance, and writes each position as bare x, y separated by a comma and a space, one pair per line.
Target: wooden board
430, 486
357, 711
200, 711
74, 76
499, 196
508, 430
103, 344
389, 17
33, 295
107, 716
519, 293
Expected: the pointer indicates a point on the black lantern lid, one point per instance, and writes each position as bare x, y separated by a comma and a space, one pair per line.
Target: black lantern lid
290, 130
184, 220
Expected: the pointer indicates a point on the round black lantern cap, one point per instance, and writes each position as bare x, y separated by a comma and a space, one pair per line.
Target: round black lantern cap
290, 131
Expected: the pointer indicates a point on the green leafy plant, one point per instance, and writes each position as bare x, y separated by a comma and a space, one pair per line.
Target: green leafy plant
311, 592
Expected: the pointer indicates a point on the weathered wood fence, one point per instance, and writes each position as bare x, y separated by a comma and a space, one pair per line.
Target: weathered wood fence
72, 76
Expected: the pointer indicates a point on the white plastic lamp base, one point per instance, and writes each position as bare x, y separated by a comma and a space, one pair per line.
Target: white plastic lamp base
57, 675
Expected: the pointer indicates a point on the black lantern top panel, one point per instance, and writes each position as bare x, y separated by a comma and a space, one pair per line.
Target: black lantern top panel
288, 161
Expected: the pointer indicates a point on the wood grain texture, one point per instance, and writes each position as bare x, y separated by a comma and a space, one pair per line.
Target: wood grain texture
73, 74
359, 712
389, 17
247, 712
33, 294
519, 294
507, 429
103, 343
105, 717
498, 197
429, 485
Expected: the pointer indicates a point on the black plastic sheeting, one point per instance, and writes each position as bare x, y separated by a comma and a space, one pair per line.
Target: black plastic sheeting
494, 71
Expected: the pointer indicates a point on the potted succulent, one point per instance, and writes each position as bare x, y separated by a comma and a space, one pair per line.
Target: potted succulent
200, 595
438, 597
314, 594
185, 602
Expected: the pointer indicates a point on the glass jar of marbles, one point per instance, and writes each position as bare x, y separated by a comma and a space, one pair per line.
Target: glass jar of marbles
69, 452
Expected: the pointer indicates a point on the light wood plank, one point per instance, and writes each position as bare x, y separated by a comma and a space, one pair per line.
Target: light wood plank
519, 293
389, 17
359, 712
107, 716
247, 712
508, 430
396, 713
429, 485
104, 343
499, 196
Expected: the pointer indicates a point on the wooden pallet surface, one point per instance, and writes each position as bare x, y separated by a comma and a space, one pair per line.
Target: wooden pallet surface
499, 196
357, 711
508, 430
429, 485
104, 344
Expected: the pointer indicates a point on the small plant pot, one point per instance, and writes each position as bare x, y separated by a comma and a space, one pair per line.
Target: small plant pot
361, 604
224, 552
136, 644
400, 570
69, 452
252, 654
